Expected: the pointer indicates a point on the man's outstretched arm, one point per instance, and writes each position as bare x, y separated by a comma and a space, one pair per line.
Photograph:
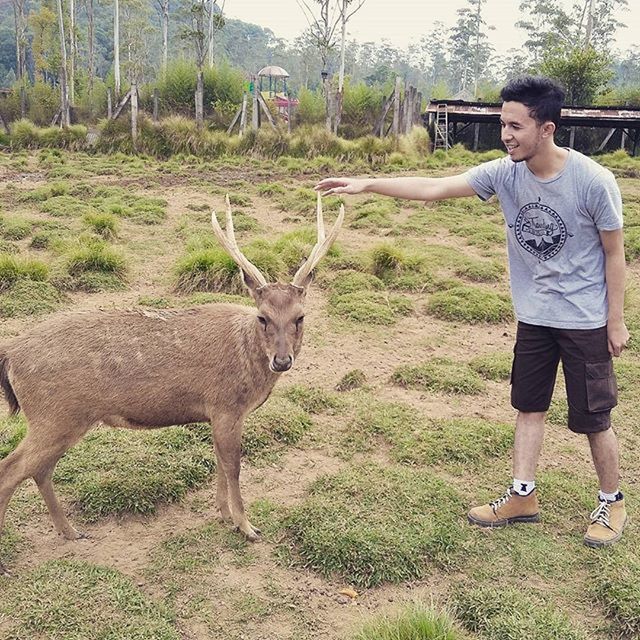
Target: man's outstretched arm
411, 188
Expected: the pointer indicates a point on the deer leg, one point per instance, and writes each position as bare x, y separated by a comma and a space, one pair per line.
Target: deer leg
45, 485
227, 437
222, 494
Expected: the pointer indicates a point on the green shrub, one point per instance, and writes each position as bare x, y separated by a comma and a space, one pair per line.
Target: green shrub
470, 305
355, 281
208, 270
439, 374
311, 107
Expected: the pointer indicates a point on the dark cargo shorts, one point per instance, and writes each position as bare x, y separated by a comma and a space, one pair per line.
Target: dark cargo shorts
588, 372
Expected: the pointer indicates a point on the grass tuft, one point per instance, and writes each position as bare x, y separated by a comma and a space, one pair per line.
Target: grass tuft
370, 307
470, 305
497, 614
354, 379
114, 471
413, 622
369, 525
275, 425
493, 366
29, 297
441, 375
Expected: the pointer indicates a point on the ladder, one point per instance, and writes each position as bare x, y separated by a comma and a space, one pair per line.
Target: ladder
441, 128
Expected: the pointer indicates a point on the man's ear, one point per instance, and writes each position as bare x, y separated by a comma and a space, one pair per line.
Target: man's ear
548, 129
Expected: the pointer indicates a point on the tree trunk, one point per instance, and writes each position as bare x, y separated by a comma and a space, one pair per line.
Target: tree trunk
116, 46
91, 45
72, 52
165, 35
20, 24
64, 87
212, 4
134, 112
200, 100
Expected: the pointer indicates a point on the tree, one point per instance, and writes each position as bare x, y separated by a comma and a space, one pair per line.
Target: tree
200, 37
19, 14
583, 72
116, 46
163, 9
430, 55
64, 86
470, 50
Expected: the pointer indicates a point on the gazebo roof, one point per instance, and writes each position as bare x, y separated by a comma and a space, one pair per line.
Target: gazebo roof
273, 71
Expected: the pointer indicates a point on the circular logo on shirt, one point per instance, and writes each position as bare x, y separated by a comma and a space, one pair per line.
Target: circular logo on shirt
540, 230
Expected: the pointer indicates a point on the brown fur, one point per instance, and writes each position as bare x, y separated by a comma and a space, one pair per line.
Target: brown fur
146, 369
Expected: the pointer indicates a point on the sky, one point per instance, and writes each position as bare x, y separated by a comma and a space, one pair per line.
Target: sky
402, 22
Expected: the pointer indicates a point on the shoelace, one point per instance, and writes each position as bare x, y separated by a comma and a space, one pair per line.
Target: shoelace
496, 504
600, 515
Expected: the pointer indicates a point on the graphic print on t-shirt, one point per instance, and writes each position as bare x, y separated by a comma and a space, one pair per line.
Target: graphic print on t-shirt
540, 230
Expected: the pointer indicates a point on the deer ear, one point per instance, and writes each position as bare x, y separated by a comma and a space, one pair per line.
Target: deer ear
253, 285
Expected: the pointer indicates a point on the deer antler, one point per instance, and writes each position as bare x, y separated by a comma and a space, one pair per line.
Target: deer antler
228, 241
321, 247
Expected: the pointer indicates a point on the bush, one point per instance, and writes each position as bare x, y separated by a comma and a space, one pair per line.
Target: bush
311, 107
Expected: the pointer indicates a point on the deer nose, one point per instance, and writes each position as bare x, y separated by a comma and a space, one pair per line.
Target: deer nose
282, 364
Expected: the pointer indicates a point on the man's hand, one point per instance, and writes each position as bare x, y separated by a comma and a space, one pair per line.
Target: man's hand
341, 185
618, 336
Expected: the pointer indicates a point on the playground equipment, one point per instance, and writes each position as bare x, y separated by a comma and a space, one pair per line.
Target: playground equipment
277, 91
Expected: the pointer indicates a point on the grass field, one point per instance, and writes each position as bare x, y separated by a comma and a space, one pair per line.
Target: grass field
359, 469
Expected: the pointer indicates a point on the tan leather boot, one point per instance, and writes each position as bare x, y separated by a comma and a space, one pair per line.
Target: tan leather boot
509, 509
607, 523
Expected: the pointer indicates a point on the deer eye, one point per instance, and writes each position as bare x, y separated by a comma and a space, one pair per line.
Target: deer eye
263, 321
299, 322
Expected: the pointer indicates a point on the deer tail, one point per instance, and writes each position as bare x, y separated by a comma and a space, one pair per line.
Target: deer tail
5, 384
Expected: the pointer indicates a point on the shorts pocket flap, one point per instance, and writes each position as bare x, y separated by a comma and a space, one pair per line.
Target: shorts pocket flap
599, 369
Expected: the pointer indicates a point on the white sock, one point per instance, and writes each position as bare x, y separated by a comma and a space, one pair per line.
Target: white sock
608, 497
523, 487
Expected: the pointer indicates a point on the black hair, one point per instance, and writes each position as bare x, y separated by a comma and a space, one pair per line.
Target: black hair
544, 97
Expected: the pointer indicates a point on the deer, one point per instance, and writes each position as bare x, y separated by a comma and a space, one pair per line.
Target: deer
141, 369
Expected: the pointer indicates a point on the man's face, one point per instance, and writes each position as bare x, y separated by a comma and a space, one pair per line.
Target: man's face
521, 134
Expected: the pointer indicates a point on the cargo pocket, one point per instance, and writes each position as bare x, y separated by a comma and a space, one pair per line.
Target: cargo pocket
602, 390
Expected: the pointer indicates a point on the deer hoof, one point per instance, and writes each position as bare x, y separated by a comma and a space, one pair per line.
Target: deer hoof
251, 534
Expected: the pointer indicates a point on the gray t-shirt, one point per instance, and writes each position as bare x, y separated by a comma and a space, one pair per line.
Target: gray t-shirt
556, 258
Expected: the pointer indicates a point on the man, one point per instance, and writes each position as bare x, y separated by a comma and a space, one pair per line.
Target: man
563, 216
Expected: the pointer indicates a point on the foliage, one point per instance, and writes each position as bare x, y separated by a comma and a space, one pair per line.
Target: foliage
583, 72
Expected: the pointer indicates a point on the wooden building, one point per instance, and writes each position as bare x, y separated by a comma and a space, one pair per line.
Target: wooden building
447, 120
